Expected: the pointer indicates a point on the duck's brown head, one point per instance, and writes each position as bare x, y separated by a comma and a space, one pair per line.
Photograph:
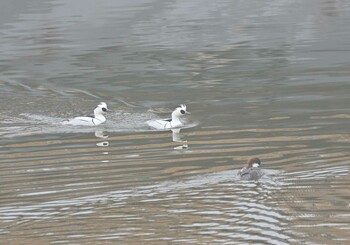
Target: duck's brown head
253, 162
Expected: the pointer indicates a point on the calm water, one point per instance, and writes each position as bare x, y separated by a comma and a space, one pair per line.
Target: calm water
264, 78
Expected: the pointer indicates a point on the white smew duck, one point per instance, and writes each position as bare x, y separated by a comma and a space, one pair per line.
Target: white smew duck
97, 119
173, 122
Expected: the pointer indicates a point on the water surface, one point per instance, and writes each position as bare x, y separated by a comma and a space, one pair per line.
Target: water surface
268, 79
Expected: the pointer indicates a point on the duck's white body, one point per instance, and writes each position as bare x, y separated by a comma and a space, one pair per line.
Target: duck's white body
165, 124
85, 121
90, 121
174, 122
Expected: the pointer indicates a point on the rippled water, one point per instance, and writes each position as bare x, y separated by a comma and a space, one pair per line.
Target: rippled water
263, 78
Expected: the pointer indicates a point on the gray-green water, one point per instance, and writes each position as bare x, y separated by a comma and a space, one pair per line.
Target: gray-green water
264, 78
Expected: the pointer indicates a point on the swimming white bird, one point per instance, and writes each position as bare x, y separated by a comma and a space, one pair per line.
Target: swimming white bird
97, 119
173, 122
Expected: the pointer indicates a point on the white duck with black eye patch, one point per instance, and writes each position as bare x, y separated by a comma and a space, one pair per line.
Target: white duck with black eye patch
97, 119
173, 122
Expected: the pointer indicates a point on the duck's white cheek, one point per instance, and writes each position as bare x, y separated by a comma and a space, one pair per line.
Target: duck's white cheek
255, 165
